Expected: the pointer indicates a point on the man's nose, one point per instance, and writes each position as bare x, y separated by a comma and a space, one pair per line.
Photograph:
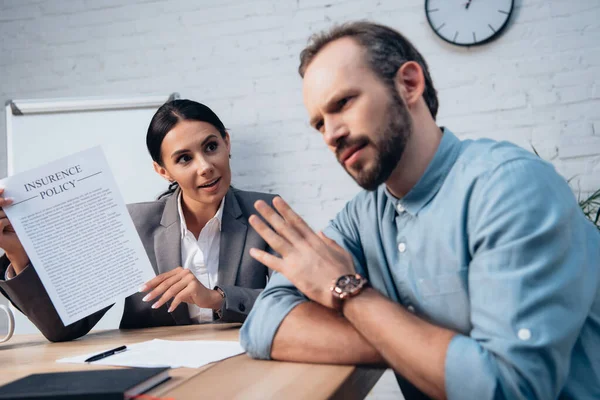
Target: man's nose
334, 131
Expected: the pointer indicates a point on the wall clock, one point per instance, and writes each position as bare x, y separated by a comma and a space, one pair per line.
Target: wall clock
468, 22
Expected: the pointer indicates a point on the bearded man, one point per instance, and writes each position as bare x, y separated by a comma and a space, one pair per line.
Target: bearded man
466, 266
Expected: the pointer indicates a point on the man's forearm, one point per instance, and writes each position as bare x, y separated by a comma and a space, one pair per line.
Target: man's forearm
313, 333
413, 347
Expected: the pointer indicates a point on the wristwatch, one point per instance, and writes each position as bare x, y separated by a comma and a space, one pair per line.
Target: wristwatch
347, 286
218, 314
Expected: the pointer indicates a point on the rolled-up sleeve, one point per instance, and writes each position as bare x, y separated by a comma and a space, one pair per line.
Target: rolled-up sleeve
272, 306
532, 280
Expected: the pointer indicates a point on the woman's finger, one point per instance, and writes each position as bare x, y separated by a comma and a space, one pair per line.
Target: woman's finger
5, 201
171, 292
177, 301
157, 280
4, 223
163, 287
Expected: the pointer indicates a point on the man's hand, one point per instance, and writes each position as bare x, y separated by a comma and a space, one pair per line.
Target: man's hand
310, 261
181, 285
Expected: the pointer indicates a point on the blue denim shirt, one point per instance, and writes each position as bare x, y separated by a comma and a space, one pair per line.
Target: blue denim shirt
490, 243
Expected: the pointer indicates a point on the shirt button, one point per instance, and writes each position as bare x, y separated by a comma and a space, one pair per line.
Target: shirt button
401, 247
400, 208
524, 334
411, 309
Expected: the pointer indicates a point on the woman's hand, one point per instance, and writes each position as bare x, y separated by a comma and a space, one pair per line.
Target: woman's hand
182, 286
9, 241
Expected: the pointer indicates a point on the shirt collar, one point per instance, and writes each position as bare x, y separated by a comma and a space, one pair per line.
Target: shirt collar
218, 216
433, 178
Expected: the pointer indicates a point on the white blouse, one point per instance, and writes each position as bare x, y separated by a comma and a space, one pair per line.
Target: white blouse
202, 257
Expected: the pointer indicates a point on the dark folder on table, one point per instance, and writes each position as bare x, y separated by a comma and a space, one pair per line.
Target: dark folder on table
107, 384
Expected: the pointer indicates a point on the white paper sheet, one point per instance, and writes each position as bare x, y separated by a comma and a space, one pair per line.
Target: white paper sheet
166, 353
77, 233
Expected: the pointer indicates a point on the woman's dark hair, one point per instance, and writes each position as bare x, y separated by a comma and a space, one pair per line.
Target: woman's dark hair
385, 50
169, 115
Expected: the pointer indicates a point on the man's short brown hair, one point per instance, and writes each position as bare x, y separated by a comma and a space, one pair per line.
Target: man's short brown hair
386, 50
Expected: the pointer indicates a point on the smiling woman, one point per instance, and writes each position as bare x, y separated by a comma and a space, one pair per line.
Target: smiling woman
196, 236
190, 148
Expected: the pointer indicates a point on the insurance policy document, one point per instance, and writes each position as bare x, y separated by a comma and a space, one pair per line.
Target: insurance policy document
76, 230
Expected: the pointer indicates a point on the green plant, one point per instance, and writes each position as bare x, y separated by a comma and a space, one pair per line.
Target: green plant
590, 205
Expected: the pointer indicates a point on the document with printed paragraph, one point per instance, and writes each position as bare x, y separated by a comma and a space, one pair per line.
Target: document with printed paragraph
166, 353
75, 228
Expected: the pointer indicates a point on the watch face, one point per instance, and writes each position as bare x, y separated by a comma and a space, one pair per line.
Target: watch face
468, 22
348, 285
347, 282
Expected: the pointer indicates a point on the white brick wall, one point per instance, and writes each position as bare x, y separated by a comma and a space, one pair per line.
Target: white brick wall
539, 84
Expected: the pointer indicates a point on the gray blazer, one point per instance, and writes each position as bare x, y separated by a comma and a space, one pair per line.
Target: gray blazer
240, 276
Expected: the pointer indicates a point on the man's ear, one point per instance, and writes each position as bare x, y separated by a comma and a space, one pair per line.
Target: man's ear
410, 82
162, 171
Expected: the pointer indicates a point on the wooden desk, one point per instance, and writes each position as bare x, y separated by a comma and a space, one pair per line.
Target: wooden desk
235, 378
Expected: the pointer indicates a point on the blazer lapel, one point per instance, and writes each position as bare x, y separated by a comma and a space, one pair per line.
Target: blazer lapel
167, 241
167, 249
233, 238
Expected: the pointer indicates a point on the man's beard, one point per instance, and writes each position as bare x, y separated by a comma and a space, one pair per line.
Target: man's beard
389, 146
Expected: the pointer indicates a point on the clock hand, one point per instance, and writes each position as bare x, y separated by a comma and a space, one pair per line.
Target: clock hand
467, 4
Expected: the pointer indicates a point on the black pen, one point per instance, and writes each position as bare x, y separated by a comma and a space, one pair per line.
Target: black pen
106, 354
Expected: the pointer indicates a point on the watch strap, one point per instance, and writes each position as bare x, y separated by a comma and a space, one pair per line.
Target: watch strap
218, 313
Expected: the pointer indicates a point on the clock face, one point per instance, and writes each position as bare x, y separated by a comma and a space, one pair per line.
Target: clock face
468, 22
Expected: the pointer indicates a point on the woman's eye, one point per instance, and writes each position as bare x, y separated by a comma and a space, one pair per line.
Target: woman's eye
183, 159
212, 147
